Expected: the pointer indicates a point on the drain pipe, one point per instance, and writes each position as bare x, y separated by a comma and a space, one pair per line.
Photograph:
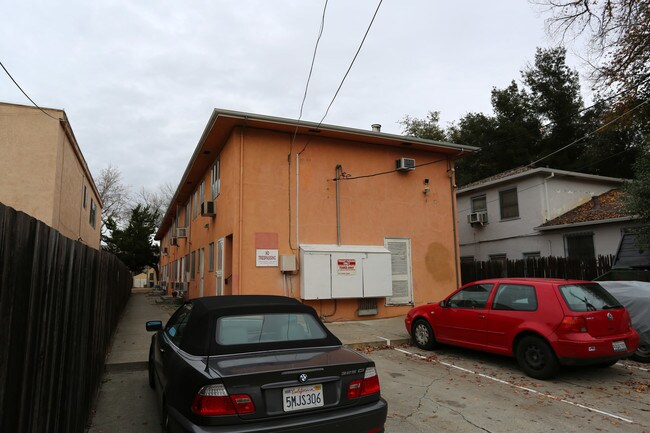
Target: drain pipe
339, 169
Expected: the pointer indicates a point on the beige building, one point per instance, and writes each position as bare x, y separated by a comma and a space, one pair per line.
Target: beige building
43, 172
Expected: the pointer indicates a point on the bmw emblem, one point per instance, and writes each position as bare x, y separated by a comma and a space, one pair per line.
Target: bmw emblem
303, 378
609, 316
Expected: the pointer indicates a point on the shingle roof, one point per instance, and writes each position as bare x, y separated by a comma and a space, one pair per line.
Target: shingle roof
606, 206
497, 176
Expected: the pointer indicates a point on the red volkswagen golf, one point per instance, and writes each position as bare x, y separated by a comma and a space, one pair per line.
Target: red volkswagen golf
544, 323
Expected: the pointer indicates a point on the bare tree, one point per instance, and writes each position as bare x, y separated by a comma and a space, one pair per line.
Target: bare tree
619, 35
115, 195
158, 200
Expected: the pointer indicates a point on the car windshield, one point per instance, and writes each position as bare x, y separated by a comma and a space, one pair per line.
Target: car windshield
265, 328
588, 297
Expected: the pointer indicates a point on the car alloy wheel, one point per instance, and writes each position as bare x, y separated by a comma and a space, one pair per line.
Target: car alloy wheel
423, 335
536, 358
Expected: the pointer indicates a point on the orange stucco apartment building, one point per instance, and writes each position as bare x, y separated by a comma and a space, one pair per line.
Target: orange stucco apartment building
44, 174
356, 223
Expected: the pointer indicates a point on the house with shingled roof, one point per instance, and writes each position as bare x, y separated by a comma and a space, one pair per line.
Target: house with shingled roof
533, 212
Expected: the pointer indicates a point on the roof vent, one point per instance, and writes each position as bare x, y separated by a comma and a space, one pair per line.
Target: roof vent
376, 127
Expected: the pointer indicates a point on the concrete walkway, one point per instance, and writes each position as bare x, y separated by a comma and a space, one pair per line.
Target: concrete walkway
126, 404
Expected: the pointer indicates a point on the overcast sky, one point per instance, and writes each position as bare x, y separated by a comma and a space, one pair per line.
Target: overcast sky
139, 79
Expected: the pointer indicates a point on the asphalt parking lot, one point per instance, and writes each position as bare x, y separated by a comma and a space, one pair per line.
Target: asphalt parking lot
464, 391
456, 390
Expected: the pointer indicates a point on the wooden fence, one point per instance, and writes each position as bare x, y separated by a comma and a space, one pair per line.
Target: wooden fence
59, 306
543, 267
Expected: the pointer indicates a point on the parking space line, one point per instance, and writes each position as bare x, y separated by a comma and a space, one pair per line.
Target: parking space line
505, 382
386, 339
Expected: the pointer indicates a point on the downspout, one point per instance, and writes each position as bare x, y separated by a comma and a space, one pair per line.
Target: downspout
298, 203
241, 205
452, 189
548, 206
338, 206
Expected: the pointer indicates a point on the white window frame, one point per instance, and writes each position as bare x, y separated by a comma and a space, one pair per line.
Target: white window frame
215, 179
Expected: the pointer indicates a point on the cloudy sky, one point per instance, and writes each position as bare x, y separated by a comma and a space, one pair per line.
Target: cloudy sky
139, 79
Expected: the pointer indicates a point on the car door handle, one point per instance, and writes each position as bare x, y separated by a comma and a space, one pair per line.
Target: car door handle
481, 316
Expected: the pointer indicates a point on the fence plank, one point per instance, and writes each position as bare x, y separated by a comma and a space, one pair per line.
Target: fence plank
60, 301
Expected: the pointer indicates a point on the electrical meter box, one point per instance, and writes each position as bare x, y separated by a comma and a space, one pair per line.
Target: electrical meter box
345, 271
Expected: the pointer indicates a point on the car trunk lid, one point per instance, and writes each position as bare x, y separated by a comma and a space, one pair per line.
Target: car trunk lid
294, 381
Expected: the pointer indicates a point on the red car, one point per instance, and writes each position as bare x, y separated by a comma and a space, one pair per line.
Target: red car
544, 323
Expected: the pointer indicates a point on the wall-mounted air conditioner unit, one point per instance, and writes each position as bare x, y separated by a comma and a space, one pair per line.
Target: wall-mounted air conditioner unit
405, 164
174, 241
181, 232
208, 208
477, 218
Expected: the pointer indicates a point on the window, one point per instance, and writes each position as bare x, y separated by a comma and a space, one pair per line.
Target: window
265, 328
588, 297
188, 208
211, 257
500, 264
186, 267
474, 296
93, 211
467, 259
176, 325
84, 199
532, 255
479, 204
509, 204
580, 245
195, 204
215, 179
202, 192
515, 297
193, 265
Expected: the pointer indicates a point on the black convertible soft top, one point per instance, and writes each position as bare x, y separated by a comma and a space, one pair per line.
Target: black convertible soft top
199, 333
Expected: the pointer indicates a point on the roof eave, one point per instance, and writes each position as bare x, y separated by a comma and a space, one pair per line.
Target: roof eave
585, 223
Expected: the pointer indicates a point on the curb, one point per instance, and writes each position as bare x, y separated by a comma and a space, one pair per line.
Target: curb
378, 343
124, 367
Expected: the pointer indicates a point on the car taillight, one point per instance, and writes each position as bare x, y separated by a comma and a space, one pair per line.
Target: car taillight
369, 384
574, 324
213, 400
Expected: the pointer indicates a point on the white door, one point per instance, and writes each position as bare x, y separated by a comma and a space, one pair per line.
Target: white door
201, 270
219, 267
400, 257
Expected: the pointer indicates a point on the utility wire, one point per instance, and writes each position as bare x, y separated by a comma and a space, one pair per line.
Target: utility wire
588, 134
388, 172
26, 95
346, 73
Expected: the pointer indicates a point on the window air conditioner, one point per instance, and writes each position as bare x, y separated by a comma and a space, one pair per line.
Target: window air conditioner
208, 208
477, 218
174, 241
181, 232
405, 164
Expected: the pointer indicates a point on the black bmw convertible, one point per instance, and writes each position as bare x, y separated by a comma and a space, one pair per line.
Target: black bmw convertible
251, 364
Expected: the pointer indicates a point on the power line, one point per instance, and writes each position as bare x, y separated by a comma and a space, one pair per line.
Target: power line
346, 73
26, 95
389, 171
588, 134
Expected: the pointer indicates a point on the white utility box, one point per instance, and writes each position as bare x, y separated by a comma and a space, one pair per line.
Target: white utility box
345, 271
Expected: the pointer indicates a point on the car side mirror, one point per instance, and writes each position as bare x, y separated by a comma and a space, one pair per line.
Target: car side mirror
443, 303
154, 325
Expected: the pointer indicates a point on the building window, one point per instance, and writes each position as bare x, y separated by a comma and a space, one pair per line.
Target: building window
202, 192
193, 265
479, 204
467, 259
188, 207
400, 258
215, 179
93, 211
509, 204
211, 257
85, 197
195, 204
532, 255
580, 245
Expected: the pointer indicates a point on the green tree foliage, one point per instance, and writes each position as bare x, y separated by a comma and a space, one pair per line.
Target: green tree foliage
424, 128
133, 244
637, 191
542, 121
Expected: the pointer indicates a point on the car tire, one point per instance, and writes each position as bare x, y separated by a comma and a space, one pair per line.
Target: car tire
536, 358
152, 373
642, 354
423, 335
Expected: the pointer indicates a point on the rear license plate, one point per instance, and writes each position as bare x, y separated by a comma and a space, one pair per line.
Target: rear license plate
302, 397
619, 346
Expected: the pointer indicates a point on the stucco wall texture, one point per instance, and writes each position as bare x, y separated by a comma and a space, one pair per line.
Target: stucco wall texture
43, 173
257, 180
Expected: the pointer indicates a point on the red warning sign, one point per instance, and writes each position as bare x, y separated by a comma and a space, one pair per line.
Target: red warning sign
347, 266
